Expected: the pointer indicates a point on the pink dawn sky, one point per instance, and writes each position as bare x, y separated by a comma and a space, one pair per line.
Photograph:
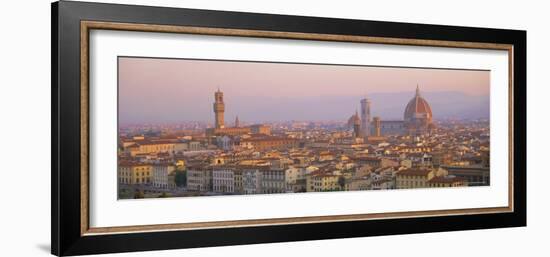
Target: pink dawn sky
172, 90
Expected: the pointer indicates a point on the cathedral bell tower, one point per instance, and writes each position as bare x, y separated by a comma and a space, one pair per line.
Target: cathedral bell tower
365, 117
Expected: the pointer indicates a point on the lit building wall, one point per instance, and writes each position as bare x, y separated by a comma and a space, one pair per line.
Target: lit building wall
223, 180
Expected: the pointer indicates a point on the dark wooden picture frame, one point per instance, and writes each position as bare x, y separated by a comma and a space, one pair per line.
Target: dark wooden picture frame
71, 22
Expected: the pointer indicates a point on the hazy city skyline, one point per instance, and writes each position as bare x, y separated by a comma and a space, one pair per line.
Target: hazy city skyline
177, 90
390, 140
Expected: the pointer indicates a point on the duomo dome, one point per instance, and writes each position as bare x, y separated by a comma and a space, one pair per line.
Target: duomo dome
418, 108
418, 115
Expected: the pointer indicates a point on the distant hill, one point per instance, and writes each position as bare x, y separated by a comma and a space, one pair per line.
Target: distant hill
445, 104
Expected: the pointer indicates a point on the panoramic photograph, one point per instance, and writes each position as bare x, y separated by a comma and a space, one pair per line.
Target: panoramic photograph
192, 127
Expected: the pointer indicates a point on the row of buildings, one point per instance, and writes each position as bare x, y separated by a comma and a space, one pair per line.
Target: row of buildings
159, 175
227, 179
301, 172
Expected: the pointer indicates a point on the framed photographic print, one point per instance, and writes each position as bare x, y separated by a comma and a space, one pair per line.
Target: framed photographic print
179, 128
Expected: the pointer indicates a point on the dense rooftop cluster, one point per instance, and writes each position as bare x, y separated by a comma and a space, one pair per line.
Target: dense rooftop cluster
184, 160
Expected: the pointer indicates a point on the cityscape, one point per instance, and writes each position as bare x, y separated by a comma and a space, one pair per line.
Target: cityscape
216, 156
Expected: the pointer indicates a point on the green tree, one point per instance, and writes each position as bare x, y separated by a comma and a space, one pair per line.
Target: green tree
181, 178
342, 182
138, 194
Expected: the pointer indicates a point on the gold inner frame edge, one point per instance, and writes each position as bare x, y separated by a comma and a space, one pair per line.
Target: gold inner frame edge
86, 26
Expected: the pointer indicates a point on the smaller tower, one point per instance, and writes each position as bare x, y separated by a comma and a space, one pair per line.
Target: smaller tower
377, 126
237, 121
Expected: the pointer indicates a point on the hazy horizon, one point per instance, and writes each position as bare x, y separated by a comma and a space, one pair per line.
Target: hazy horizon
153, 90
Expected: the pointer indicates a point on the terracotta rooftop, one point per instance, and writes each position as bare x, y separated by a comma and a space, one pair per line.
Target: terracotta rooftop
131, 163
446, 180
414, 172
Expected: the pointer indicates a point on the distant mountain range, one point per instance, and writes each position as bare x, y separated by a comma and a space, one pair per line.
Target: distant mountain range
444, 105
389, 106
